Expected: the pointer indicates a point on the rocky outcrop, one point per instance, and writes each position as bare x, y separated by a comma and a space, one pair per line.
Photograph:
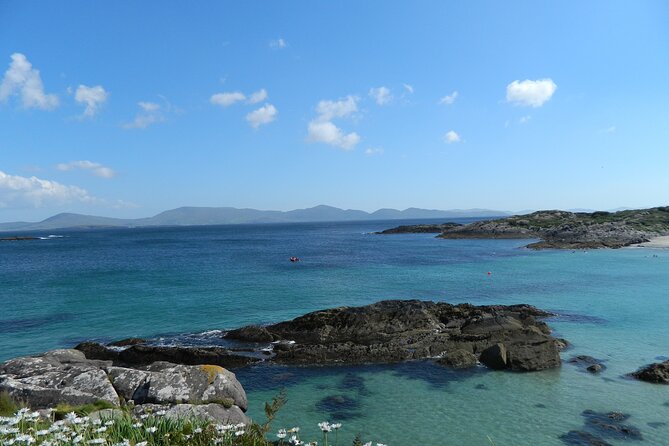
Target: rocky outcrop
458, 359
420, 229
657, 373
68, 376
562, 229
392, 331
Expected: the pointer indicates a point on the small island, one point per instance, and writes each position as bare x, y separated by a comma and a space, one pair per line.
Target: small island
562, 229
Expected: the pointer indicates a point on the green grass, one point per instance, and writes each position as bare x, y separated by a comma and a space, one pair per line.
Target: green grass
83, 410
8, 406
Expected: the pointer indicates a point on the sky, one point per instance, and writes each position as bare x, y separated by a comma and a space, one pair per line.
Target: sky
124, 108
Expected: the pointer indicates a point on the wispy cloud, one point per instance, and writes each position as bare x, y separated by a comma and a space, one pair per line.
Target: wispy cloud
449, 98
530, 93
408, 88
96, 169
25, 192
150, 113
264, 115
323, 130
372, 151
278, 44
525, 119
611, 129
381, 95
92, 98
258, 96
24, 81
451, 137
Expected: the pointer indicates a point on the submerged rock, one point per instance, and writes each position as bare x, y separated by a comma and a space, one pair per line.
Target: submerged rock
580, 438
610, 424
588, 363
396, 330
657, 373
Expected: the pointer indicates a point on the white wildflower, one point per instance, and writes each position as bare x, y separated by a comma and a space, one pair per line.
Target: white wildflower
151, 429
282, 434
101, 429
325, 426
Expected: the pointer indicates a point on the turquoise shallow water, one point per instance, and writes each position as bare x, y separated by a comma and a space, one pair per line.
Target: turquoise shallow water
613, 305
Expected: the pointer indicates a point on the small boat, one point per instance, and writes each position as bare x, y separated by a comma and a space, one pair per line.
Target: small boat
294, 259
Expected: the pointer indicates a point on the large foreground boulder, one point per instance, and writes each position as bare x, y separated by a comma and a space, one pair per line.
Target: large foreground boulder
60, 376
68, 377
657, 373
396, 330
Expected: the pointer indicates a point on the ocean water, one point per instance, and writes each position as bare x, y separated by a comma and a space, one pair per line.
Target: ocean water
171, 282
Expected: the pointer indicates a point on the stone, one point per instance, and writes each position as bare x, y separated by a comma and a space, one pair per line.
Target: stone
60, 376
494, 357
588, 363
395, 331
657, 373
458, 359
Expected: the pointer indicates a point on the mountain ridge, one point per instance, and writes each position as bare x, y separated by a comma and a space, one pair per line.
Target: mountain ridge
199, 216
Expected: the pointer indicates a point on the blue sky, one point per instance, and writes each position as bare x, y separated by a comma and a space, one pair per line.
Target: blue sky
130, 108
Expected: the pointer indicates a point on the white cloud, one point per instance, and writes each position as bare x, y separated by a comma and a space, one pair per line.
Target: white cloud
374, 151
408, 88
227, 99
150, 113
530, 93
381, 95
91, 97
23, 80
278, 44
451, 137
258, 96
264, 115
525, 119
328, 133
322, 129
611, 129
20, 192
328, 110
96, 169
449, 98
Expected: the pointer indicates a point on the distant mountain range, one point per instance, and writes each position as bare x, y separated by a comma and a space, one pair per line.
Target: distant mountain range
196, 216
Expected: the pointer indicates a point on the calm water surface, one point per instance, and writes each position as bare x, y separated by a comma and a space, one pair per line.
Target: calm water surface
110, 284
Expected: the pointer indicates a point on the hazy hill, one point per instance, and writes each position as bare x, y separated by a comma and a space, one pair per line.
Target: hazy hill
195, 216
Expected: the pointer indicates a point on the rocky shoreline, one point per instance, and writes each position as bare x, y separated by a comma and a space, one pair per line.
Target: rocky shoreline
196, 381
562, 229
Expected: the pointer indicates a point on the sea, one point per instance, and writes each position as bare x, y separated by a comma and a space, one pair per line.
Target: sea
186, 285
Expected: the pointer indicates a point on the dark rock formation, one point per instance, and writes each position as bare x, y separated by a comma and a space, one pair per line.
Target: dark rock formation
657, 373
458, 359
392, 331
67, 376
141, 354
420, 229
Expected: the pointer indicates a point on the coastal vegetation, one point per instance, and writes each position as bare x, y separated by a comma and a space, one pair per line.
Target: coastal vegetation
119, 427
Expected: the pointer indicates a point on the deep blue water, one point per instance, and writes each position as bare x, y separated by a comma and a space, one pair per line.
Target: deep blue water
110, 284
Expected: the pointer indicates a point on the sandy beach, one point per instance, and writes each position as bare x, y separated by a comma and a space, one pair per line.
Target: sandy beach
657, 242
